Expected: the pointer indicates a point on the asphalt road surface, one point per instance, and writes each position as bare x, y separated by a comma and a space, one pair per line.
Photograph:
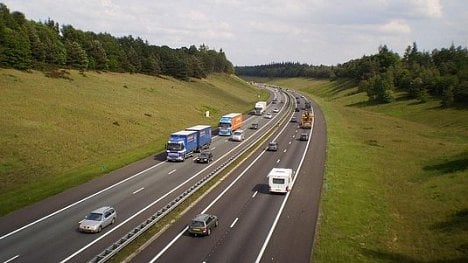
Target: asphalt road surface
255, 225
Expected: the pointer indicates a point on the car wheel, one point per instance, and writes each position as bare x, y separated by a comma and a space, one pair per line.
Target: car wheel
99, 229
216, 223
209, 232
113, 221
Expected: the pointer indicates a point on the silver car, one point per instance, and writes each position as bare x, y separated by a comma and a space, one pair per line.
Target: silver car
98, 219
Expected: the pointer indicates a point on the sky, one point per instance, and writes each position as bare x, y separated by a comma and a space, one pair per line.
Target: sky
258, 32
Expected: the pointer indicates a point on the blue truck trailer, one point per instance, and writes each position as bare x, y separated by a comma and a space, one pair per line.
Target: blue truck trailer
181, 145
203, 136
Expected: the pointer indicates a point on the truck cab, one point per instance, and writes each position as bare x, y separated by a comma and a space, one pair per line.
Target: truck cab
181, 145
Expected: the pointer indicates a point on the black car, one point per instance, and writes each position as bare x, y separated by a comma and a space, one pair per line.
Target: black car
297, 109
304, 137
202, 224
204, 157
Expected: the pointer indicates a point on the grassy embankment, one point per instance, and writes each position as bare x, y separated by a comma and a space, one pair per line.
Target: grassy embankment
396, 183
56, 133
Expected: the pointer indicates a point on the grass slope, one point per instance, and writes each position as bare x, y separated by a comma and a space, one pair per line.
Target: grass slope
56, 132
396, 183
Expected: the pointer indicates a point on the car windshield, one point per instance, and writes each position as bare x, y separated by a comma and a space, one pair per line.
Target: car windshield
236, 133
94, 216
205, 155
272, 143
197, 224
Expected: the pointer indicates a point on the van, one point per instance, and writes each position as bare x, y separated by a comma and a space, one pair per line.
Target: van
238, 136
280, 180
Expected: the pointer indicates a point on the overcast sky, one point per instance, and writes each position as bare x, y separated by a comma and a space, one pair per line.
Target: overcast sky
255, 32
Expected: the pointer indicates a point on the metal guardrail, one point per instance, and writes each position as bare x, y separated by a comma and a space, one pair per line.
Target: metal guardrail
145, 225
137, 231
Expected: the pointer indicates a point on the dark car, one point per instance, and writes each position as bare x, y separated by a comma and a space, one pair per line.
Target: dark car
272, 146
202, 224
205, 157
293, 119
304, 137
296, 109
254, 126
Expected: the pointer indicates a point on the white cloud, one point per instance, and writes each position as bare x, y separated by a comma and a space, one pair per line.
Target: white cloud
398, 26
428, 8
263, 31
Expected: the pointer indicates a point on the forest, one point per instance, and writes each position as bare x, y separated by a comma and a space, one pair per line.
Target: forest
440, 74
26, 44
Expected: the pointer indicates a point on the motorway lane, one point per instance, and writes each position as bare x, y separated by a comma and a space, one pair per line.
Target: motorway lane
57, 236
293, 238
246, 212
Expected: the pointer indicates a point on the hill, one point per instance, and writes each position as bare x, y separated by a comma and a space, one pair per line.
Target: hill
396, 179
60, 132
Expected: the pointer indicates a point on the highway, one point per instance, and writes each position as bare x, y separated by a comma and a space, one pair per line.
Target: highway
47, 231
255, 225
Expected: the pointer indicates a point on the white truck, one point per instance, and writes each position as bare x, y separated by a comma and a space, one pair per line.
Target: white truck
280, 180
260, 107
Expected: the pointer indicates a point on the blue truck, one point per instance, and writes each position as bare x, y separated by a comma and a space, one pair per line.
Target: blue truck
183, 144
203, 136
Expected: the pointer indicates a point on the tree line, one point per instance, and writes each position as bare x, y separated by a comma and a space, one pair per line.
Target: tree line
442, 74
26, 44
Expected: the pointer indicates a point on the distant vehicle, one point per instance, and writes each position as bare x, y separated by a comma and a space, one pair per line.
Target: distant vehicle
275, 110
280, 180
202, 224
302, 96
98, 219
293, 119
254, 126
272, 146
204, 157
306, 120
304, 137
296, 109
260, 107
229, 123
268, 116
238, 136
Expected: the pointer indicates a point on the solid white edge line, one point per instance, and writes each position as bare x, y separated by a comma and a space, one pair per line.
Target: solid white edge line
214, 201
78, 202
171, 172
148, 206
267, 240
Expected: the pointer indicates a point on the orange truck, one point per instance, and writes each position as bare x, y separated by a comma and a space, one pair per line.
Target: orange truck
306, 120
229, 123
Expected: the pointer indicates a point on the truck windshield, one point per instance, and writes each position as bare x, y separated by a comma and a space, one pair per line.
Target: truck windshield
175, 146
224, 125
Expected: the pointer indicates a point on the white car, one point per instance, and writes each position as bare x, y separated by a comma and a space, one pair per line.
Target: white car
268, 116
275, 110
238, 136
95, 221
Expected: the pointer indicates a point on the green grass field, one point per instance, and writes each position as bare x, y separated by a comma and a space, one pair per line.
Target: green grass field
396, 183
56, 133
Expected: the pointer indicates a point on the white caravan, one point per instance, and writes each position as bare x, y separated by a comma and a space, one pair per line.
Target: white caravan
280, 180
